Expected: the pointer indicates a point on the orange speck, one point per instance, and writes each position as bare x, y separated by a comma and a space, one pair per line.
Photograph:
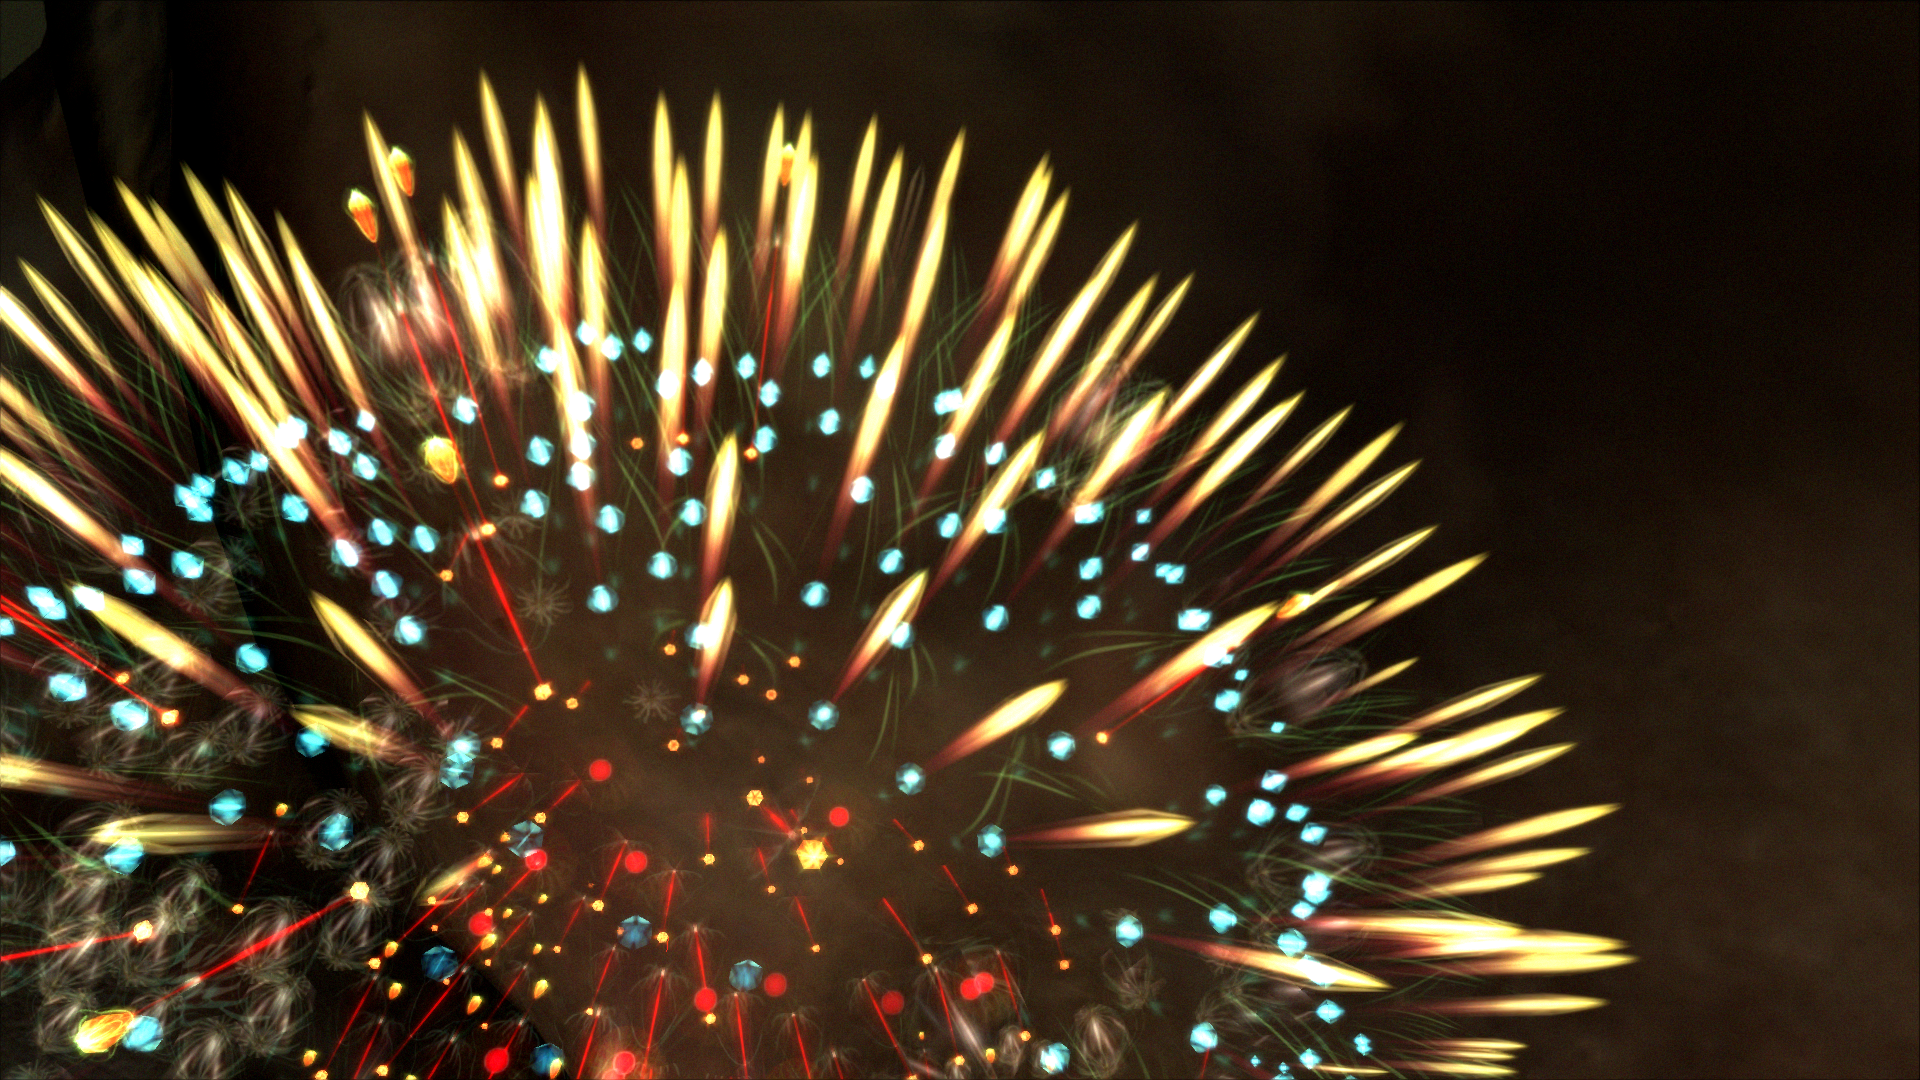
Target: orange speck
122, 678
170, 718
487, 528
741, 678
673, 744
499, 479
771, 694
543, 691
681, 438
402, 165
446, 575
668, 649
361, 209
573, 703
752, 453
1101, 738
637, 442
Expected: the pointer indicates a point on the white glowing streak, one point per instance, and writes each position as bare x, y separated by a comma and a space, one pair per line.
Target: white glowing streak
1012, 714
357, 644
999, 496
716, 621
896, 609
723, 492
165, 646
1123, 828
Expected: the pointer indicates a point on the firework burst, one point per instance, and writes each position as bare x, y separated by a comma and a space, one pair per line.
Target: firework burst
749, 668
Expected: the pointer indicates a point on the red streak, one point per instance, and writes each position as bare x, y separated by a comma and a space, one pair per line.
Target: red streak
517, 716
805, 1068
883, 1024
246, 952
700, 955
956, 884
416, 1027
658, 986
571, 788
349, 1024
256, 867
62, 948
618, 856
801, 908
740, 1025
454, 333
664, 911
416, 923
504, 786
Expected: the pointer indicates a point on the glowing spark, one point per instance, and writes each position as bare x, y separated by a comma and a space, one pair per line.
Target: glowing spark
1011, 715
1124, 828
896, 609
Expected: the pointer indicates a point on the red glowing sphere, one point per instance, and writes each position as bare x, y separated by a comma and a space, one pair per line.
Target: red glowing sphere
983, 982
636, 861
480, 925
775, 983
496, 1060
891, 1003
600, 769
705, 999
623, 1061
537, 859
838, 815
969, 989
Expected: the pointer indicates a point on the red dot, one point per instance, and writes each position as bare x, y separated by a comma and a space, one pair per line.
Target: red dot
600, 769
496, 1060
705, 999
969, 989
537, 859
775, 983
480, 925
838, 815
636, 861
623, 1061
891, 1003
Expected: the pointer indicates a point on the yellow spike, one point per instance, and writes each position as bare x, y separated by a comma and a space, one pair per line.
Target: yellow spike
1009, 716
1225, 465
350, 732
1100, 361
353, 640
896, 609
1013, 245
1469, 703
1124, 828
1301, 454
769, 191
1452, 1068
137, 630
179, 834
716, 621
932, 247
500, 149
1411, 596
399, 215
1463, 747
1223, 422
1372, 565
1157, 322
1126, 450
877, 232
1219, 641
323, 319
1507, 767
1466, 886
81, 257
1065, 330
1203, 378
713, 307
723, 492
15, 316
1516, 1005
1500, 864
1328, 490
999, 496
590, 154
70, 321
710, 176
1519, 832
60, 509
1307, 969
796, 247
1352, 754
1546, 963
1369, 497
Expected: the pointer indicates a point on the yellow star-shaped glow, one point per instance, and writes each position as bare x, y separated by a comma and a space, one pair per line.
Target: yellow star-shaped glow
812, 854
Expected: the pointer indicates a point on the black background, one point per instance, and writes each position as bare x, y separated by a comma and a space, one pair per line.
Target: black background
1641, 280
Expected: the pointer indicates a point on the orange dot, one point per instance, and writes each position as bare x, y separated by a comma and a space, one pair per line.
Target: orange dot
636, 442
741, 678
499, 479
668, 649
122, 678
793, 661
487, 529
681, 438
752, 453
1101, 738
771, 694
446, 575
573, 703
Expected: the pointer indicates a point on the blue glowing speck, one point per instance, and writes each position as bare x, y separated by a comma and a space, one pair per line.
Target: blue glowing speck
524, 837
143, 1035
814, 594
294, 508
227, 806
364, 421
1273, 780
547, 360
539, 450
128, 715
1297, 812
1226, 700
943, 446
235, 472
891, 560
745, 976
1316, 887
385, 585
67, 687
1128, 931
1193, 620
745, 366
365, 467
335, 831
861, 490
696, 719
1291, 942
770, 394
1087, 607
602, 599
584, 334
124, 855
1309, 1059
823, 715
50, 607
1222, 919
1090, 568
829, 422
992, 841
439, 963
534, 504
346, 553
910, 779
1143, 517
611, 348
902, 636
610, 519
996, 453
133, 545
633, 931
1215, 795
380, 532
679, 461
1313, 834
947, 401
662, 565
994, 521
1330, 1011
548, 1060
949, 526
1044, 479
407, 630
580, 476
1203, 1038
139, 582
250, 658
822, 367
456, 772
188, 565
1054, 1058
465, 410
1260, 811
867, 368
693, 512
765, 439
1089, 513
309, 742
1060, 745
341, 443
425, 539
1363, 1045
995, 618
1171, 573
642, 340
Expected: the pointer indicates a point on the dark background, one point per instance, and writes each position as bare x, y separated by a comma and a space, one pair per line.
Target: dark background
1641, 280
